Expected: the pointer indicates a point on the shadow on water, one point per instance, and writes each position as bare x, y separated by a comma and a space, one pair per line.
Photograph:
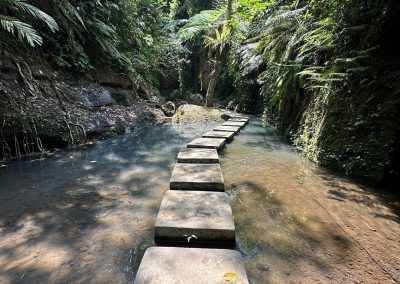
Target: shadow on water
85, 215
268, 237
300, 223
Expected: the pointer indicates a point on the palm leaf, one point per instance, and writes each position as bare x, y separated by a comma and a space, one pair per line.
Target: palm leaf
35, 12
23, 30
200, 23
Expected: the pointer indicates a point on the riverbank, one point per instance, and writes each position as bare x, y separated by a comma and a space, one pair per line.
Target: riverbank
42, 109
88, 214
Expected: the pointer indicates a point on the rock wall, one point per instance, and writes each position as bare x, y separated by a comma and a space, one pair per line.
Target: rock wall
357, 133
42, 108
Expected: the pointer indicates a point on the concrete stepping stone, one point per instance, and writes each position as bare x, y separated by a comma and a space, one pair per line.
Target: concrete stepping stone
246, 120
203, 177
219, 134
240, 124
235, 129
198, 156
207, 143
193, 218
191, 266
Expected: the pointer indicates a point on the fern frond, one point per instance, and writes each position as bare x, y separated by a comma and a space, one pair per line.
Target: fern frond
200, 23
23, 30
70, 12
35, 12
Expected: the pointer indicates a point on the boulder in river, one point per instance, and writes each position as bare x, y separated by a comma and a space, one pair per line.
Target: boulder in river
168, 108
193, 114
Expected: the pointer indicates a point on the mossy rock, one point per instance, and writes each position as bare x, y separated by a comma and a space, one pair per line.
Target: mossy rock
193, 114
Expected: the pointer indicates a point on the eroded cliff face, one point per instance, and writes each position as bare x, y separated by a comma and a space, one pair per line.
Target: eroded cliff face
42, 108
356, 133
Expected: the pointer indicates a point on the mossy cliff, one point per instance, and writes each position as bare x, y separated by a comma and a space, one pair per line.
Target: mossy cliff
354, 133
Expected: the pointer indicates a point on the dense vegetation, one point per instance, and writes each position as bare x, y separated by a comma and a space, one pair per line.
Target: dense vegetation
324, 71
124, 35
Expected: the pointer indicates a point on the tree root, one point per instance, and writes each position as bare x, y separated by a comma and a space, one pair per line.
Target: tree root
31, 89
6, 150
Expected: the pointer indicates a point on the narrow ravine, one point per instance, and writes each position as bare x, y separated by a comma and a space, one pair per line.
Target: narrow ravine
87, 216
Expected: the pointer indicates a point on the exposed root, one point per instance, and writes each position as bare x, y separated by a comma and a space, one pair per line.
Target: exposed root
37, 138
31, 89
16, 146
70, 135
5, 149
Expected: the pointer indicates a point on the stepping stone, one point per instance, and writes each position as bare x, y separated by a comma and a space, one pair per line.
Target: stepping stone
191, 266
199, 156
235, 129
219, 134
240, 119
208, 143
234, 123
195, 218
203, 177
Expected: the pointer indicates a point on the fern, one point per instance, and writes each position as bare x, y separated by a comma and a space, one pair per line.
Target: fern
25, 31
200, 23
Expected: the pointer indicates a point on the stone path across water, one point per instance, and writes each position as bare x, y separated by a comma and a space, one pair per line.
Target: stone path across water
195, 217
241, 119
240, 124
161, 265
219, 134
197, 177
207, 143
235, 129
198, 156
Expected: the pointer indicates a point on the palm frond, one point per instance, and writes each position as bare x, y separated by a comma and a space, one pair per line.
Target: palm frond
35, 12
200, 23
23, 30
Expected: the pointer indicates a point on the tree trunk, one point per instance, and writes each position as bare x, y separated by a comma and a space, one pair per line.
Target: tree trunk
213, 83
214, 76
223, 56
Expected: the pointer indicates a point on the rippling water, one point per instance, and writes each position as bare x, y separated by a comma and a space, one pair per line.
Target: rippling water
86, 216
299, 223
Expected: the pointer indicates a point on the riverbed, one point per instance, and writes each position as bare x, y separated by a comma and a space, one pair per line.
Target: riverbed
87, 215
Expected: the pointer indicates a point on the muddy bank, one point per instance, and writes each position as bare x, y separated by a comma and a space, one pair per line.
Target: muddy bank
42, 108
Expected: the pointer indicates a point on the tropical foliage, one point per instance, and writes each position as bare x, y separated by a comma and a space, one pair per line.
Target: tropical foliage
126, 35
291, 47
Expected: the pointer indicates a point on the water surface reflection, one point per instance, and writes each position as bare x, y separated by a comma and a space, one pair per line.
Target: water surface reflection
299, 223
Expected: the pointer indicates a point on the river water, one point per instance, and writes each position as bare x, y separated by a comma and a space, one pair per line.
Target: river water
87, 215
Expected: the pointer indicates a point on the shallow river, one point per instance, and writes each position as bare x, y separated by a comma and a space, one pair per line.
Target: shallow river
86, 216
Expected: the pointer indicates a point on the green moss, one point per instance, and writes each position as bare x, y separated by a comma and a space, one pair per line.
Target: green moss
193, 114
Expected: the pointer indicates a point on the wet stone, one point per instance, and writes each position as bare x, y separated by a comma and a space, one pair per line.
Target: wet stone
197, 155
207, 143
219, 134
202, 177
234, 129
239, 119
190, 266
193, 218
240, 124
